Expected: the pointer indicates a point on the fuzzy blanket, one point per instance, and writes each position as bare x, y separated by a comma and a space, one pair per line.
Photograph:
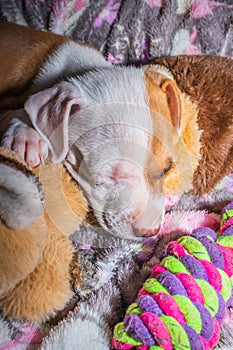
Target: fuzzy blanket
132, 31
113, 270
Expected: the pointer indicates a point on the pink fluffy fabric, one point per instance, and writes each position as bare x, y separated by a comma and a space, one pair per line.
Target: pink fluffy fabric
187, 221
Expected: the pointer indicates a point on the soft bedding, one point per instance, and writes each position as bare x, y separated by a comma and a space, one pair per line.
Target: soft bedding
128, 32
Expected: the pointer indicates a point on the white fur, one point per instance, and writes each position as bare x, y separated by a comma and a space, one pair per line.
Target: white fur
110, 134
68, 60
106, 143
7, 116
86, 331
20, 199
113, 131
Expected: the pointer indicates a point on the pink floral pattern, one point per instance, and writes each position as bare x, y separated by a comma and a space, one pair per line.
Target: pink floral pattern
79, 4
193, 49
202, 8
138, 33
108, 14
25, 335
115, 59
155, 3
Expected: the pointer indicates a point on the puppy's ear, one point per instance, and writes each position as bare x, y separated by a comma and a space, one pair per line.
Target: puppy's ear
169, 87
163, 90
49, 111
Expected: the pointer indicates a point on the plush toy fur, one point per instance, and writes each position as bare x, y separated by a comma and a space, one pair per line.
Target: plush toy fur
19, 249
35, 258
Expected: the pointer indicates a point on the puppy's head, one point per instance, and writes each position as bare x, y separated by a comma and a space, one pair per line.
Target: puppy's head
118, 131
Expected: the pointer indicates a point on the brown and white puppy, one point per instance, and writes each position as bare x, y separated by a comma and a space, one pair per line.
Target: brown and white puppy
128, 135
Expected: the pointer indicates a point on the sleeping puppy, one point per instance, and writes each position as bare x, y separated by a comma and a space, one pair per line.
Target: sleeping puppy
127, 135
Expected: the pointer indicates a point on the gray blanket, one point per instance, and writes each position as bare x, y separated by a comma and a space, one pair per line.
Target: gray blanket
133, 31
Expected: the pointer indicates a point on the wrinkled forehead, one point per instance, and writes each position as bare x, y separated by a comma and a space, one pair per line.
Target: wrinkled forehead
122, 84
116, 96
120, 99
122, 89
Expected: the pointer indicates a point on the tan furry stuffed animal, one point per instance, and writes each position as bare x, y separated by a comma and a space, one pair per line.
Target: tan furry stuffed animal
35, 252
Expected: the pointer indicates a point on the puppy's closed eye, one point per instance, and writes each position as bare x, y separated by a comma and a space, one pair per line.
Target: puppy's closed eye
164, 171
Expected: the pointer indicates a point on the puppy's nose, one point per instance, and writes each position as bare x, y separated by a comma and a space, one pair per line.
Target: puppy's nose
145, 232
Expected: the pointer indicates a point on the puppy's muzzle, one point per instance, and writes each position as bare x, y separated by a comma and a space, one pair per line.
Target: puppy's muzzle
130, 207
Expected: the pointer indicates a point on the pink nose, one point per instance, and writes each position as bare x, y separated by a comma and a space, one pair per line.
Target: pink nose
125, 170
145, 232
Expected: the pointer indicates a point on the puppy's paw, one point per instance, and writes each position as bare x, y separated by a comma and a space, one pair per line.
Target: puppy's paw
26, 142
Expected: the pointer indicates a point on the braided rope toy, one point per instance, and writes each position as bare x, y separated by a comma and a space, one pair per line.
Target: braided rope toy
183, 304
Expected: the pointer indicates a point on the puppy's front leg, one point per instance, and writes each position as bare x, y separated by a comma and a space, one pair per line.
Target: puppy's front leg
17, 134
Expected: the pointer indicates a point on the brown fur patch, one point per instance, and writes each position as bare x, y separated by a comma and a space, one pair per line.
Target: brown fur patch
167, 144
29, 48
10, 155
20, 252
63, 199
47, 288
208, 80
